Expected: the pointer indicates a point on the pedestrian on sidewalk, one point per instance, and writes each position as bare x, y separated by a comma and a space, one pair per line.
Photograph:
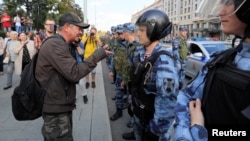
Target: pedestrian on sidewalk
91, 43
11, 46
49, 30
25, 52
6, 22
55, 56
17, 21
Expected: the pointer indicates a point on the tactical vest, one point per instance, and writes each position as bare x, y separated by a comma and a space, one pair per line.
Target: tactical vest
120, 55
130, 49
226, 99
143, 103
183, 51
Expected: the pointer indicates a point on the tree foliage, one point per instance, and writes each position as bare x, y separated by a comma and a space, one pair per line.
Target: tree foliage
39, 10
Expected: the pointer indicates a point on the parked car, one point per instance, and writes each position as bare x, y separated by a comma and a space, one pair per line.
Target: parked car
200, 52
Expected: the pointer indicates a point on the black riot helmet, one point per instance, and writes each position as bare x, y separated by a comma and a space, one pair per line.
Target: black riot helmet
157, 23
113, 29
243, 11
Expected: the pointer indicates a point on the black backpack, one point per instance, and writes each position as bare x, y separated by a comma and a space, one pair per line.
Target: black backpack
28, 97
144, 103
226, 92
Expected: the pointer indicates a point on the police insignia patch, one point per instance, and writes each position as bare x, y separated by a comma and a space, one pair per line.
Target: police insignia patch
168, 84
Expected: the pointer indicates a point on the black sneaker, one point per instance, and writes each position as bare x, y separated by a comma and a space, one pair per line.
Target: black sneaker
117, 115
85, 99
87, 85
113, 98
128, 136
7, 87
93, 84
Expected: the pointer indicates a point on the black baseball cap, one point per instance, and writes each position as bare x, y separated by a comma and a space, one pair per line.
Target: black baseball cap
72, 18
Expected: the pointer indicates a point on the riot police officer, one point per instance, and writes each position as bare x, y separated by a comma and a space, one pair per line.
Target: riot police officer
155, 94
118, 63
180, 52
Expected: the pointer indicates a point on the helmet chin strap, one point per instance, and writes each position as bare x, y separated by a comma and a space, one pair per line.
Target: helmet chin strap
234, 39
246, 35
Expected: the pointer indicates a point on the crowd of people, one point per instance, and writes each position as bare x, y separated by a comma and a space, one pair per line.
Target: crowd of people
149, 80
18, 47
18, 23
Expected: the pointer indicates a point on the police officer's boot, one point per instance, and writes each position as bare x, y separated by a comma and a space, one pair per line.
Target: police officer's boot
114, 98
117, 114
128, 136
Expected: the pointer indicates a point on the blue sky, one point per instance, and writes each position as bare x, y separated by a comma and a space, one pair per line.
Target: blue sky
106, 13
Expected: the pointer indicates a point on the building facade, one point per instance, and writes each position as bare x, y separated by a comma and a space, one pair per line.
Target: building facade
195, 14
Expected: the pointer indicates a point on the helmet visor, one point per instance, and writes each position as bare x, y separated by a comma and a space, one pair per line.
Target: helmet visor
234, 4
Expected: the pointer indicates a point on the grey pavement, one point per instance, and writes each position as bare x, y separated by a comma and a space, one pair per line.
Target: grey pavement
90, 121
118, 127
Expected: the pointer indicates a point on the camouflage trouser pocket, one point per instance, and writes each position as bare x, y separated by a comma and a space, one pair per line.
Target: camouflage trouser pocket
57, 127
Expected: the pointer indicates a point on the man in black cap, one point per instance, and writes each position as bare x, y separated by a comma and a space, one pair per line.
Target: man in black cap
55, 60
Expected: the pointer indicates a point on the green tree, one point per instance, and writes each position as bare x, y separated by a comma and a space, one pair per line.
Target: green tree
69, 6
39, 10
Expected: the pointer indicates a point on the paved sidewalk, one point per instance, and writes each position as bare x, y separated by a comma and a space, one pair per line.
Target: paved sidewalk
90, 121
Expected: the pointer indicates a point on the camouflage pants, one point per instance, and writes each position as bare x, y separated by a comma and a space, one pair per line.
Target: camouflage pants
182, 71
57, 127
119, 92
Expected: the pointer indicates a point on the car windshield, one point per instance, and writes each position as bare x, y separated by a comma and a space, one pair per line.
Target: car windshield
212, 48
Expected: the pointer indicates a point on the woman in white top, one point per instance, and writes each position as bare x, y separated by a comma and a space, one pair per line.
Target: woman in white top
17, 21
25, 51
11, 45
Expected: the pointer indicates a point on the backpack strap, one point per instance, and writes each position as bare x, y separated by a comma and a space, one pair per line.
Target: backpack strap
154, 56
34, 60
148, 63
51, 78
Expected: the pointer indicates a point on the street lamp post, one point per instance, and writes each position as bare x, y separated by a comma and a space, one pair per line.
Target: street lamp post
37, 3
40, 16
28, 6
